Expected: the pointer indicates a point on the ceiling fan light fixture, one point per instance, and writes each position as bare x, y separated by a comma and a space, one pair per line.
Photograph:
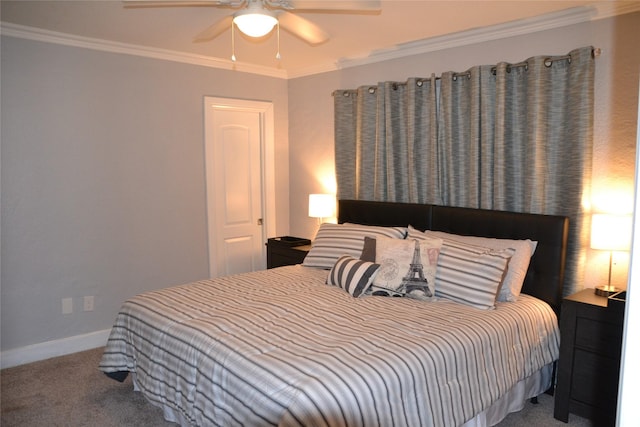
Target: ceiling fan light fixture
255, 24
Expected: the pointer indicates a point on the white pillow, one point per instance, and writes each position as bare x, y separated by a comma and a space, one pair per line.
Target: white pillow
468, 274
352, 275
407, 267
334, 240
518, 264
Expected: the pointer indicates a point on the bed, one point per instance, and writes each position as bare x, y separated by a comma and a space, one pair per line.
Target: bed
306, 345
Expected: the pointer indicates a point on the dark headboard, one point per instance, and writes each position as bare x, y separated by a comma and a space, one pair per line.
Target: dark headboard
545, 276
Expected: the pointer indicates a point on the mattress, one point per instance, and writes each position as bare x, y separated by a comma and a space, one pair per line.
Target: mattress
280, 347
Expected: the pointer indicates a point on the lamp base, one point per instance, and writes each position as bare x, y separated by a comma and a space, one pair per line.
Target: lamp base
606, 290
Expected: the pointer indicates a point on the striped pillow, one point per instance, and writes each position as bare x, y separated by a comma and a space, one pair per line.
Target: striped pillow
352, 275
469, 274
518, 264
334, 240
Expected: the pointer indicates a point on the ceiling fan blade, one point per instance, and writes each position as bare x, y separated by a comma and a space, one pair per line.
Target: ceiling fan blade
214, 30
302, 28
178, 3
339, 5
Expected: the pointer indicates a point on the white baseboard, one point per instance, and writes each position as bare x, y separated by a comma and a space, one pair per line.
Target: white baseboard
49, 349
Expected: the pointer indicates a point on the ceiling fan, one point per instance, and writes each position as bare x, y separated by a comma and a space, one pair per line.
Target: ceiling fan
257, 18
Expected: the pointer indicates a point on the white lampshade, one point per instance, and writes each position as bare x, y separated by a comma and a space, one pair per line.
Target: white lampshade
321, 205
255, 23
611, 232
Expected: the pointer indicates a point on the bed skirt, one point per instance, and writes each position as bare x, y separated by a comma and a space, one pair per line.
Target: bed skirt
514, 399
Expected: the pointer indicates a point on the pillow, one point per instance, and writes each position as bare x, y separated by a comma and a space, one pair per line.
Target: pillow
369, 249
407, 267
334, 240
469, 274
352, 275
518, 264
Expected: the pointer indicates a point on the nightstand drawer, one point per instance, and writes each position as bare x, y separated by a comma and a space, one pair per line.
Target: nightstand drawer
598, 336
594, 380
286, 250
278, 257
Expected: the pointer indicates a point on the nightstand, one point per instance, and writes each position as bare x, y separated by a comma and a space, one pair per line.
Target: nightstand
590, 351
286, 250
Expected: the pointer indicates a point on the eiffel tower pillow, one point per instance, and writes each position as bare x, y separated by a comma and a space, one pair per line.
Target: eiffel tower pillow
407, 267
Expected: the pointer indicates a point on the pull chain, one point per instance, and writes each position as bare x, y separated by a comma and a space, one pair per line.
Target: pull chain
278, 34
233, 42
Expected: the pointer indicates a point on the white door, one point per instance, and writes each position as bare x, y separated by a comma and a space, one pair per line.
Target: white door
239, 173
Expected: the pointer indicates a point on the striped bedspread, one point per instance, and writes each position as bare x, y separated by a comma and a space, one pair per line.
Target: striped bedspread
279, 347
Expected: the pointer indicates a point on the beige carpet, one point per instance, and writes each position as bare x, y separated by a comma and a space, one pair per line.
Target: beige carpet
71, 391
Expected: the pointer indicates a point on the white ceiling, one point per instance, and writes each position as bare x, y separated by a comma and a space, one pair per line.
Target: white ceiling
355, 38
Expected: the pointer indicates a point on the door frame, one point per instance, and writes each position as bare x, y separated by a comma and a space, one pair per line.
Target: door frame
267, 165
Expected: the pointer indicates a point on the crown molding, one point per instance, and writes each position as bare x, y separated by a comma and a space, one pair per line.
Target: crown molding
576, 15
548, 21
613, 8
38, 34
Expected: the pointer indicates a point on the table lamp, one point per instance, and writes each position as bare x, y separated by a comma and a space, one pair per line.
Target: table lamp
610, 232
321, 206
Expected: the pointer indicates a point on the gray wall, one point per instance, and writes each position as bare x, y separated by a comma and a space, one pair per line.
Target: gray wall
616, 106
103, 188
103, 168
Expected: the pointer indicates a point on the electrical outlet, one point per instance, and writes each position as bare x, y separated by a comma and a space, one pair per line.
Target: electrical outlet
67, 305
88, 303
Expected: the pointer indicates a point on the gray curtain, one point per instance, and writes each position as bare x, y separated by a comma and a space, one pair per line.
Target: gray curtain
386, 142
514, 137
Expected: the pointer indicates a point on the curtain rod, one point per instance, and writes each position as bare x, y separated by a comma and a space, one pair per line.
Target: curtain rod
595, 53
